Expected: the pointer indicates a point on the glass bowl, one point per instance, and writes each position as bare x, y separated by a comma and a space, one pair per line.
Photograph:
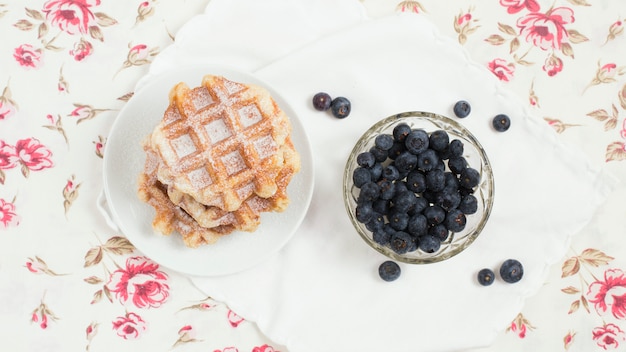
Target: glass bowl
473, 153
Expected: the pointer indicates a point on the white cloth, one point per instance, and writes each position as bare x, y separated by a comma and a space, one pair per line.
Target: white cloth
321, 291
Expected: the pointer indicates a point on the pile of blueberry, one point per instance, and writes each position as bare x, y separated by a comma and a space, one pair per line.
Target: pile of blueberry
415, 189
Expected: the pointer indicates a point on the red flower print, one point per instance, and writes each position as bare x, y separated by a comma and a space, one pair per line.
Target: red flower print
130, 326
502, 69
7, 108
553, 65
515, 6
234, 319
27, 56
608, 336
8, 156
141, 281
81, 50
8, 217
264, 348
609, 294
519, 330
568, 340
546, 31
32, 154
71, 16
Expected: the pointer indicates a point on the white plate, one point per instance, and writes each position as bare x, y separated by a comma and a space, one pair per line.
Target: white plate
124, 159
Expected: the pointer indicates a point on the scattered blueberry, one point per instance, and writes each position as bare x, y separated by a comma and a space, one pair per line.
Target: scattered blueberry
462, 108
340, 107
486, 277
321, 101
501, 122
389, 271
511, 271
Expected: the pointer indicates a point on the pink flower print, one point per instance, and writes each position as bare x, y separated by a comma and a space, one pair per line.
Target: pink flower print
515, 6
141, 281
131, 326
8, 216
608, 336
228, 349
623, 131
33, 155
519, 330
502, 69
8, 156
552, 65
610, 294
81, 50
234, 319
410, 6
607, 72
71, 16
568, 340
465, 18
7, 108
27, 56
264, 348
546, 31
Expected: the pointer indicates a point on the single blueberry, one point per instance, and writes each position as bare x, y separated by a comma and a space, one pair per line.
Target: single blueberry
379, 154
360, 176
455, 220
486, 277
400, 131
501, 122
450, 198
511, 271
435, 180
434, 214
399, 221
401, 242
383, 141
452, 182
389, 271
376, 222
418, 225
396, 149
416, 181
469, 177
364, 212
340, 107
469, 204
391, 173
416, 141
462, 108
365, 159
404, 201
429, 244
439, 140
405, 162
370, 191
439, 231
420, 204
381, 236
387, 189
456, 147
376, 171
456, 164
427, 160
321, 101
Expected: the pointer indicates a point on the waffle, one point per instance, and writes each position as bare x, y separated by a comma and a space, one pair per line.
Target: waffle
220, 139
247, 216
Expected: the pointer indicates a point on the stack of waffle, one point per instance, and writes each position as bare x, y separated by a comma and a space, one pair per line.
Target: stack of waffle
221, 156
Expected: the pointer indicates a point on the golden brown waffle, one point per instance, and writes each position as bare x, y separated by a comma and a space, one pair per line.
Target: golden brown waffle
220, 140
247, 216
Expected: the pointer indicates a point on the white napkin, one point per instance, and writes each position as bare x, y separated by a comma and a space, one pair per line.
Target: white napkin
321, 291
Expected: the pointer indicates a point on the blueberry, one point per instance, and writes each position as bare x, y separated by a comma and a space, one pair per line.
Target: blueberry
381, 236
501, 122
387, 189
401, 242
391, 173
486, 277
427, 160
340, 107
383, 141
434, 214
416, 181
416, 141
405, 162
456, 147
439, 140
456, 164
389, 271
376, 221
450, 199
399, 221
462, 108
469, 177
469, 204
429, 244
452, 182
396, 149
370, 191
420, 204
321, 101
455, 220
364, 212
403, 201
379, 154
365, 159
376, 171
511, 271
381, 206
439, 231
400, 186
400, 131
418, 225
435, 180
360, 176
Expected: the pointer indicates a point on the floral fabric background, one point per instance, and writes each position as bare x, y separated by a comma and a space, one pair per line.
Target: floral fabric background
68, 282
